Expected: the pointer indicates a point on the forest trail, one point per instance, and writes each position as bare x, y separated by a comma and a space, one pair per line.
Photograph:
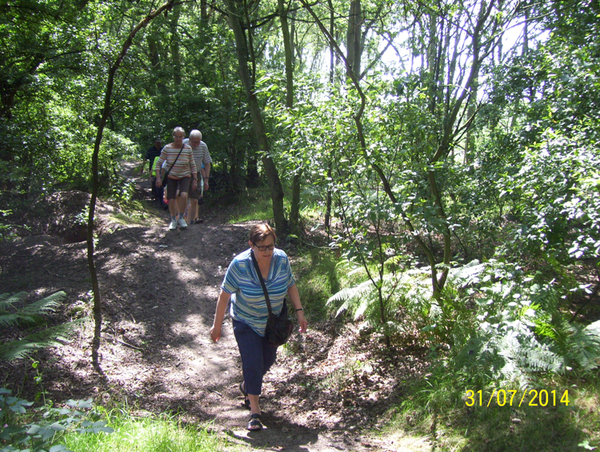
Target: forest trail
159, 290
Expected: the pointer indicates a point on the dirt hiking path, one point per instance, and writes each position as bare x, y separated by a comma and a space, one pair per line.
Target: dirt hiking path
159, 289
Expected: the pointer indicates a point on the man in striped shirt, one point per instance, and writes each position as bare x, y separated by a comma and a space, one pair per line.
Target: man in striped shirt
203, 161
182, 168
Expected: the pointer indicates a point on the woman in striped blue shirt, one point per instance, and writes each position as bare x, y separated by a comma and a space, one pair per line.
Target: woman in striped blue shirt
249, 312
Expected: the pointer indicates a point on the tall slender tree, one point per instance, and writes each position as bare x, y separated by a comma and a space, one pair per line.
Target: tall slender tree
239, 22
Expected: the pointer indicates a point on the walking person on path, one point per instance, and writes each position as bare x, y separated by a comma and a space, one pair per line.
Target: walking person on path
249, 311
182, 168
203, 161
152, 153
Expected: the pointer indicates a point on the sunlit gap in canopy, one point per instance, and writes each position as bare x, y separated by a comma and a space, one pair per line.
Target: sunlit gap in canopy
398, 60
400, 56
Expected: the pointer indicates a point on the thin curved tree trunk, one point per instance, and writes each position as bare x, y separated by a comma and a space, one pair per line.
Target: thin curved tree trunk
106, 112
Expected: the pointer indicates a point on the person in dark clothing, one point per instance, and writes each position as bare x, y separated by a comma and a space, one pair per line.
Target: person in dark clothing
152, 154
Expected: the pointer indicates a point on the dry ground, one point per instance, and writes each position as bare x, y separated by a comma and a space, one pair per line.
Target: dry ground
159, 290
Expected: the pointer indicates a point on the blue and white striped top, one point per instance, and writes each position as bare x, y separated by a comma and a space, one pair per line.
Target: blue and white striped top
248, 303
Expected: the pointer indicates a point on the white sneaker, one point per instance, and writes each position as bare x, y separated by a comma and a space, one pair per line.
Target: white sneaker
182, 223
173, 225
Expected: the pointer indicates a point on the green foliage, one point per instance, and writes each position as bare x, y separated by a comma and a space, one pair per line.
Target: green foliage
498, 323
518, 329
407, 294
43, 428
546, 102
29, 314
17, 315
5, 229
65, 162
583, 346
254, 205
160, 433
317, 277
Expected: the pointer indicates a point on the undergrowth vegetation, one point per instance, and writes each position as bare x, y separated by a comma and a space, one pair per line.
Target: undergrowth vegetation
507, 360
17, 314
45, 427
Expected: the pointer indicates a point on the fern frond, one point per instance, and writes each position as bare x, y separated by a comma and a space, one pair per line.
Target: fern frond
45, 305
49, 337
540, 359
7, 320
7, 300
350, 294
544, 329
586, 346
468, 274
26, 315
524, 354
363, 305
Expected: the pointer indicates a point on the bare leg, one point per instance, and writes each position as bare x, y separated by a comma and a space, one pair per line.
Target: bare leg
254, 404
193, 210
182, 202
173, 207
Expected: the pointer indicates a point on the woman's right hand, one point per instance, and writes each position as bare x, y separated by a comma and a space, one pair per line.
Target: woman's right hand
215, 333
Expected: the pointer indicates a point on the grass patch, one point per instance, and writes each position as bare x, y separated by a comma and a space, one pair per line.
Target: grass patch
252, 205
149, 434
317, 279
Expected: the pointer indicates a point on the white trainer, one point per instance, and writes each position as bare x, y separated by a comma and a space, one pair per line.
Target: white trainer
182, 223
173, 225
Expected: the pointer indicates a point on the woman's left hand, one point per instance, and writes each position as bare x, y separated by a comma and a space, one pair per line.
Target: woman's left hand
302, 321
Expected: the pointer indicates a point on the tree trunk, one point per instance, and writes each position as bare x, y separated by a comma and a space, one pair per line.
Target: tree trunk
289, 102
329, 196
235, 13
203, 11
175, 54
354, 37
155, 56
332, 56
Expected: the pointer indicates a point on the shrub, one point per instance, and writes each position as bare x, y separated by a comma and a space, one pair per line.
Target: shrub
43, 428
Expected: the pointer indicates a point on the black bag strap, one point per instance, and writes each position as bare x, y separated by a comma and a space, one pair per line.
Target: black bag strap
262, 281
169, 170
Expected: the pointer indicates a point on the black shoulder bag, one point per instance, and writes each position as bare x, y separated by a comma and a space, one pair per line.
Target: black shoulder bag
169, 170
279, 328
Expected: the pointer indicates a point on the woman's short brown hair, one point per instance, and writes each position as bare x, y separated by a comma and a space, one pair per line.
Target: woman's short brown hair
260, 232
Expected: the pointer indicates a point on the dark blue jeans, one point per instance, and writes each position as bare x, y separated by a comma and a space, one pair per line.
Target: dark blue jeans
257, 356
